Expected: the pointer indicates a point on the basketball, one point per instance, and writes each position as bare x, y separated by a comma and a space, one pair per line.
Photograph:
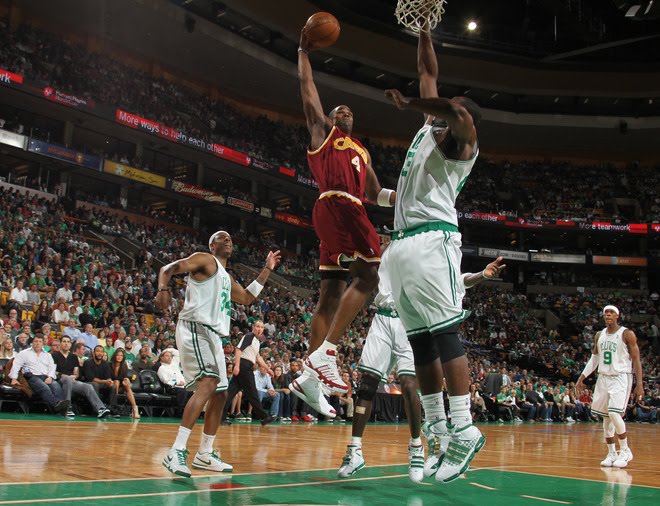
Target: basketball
322, 29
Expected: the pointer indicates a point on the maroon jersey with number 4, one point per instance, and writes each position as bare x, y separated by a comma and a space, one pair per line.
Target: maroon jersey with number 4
340, 220
339, 164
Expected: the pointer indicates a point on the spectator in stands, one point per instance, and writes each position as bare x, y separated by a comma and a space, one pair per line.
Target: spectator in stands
18, 297
72, 331
645, 412
266, 391
536, 401
12, 320
108, 347
61, 314
43, 313
128, 351
96, 371
170, 375
64, 294
280, 386
119, 374
145, 360
39, 370
68, 370
33, 297
477, 404
46, 331
22, 343
88, 337
6, 348
85, 317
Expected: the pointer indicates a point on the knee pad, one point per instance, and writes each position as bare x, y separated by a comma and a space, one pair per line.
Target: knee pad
368, 387
608, 427
448, 343
424, 348
617, 421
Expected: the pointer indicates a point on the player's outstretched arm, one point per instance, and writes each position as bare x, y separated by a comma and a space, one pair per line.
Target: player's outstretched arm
316, 119
630, 339
457, 117
247, 295
427, 68
491, 271
195, 263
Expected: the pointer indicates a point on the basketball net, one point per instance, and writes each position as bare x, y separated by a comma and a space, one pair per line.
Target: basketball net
419, 15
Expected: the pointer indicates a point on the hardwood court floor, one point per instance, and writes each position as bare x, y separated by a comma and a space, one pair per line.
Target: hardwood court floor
49, 460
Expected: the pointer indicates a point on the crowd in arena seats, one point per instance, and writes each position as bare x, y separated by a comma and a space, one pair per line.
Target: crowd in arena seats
80, 282
529, 190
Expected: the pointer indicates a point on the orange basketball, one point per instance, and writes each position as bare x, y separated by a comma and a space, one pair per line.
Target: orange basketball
322, 29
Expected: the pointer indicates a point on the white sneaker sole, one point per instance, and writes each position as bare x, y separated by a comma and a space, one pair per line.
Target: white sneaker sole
299, 392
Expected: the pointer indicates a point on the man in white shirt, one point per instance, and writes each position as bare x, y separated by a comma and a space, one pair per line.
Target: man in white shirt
18, 296
64, 293
39, 370
61, 315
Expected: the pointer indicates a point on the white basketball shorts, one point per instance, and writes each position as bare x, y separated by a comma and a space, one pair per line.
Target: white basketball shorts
611, 394
201, 354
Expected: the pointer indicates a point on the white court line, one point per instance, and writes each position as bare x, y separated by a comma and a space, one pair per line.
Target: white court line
202, 491
544, 499
482, 486
171, 477
512, 470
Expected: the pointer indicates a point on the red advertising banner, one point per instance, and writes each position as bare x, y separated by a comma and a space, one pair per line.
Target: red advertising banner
293, 220
241, 204
190, 190
287, 172
66, 98
230, 154
10, 78
624, 261
655, 227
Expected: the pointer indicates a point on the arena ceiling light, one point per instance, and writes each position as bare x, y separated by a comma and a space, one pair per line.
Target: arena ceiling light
472, 26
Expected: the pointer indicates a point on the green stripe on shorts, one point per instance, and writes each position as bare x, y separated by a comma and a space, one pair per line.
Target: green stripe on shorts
369, 369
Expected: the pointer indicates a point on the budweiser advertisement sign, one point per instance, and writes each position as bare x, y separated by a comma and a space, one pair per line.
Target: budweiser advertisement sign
190, 190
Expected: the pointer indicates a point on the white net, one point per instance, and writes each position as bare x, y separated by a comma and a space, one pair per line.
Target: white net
420, 15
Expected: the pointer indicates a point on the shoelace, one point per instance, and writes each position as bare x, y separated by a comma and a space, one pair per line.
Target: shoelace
348, 457
214, 454
182, 456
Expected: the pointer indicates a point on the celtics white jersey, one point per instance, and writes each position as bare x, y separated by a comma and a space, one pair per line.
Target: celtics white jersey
429, 183
209, 302
613, 356
384, 298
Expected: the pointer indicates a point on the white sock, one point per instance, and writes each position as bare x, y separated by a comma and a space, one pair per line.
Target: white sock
459, 405
415, 441
356, 441
434, 407
327, 345
623, 443
206, 446
182, 438
611, 448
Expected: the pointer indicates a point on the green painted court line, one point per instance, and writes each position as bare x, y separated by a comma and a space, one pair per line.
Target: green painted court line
372, 485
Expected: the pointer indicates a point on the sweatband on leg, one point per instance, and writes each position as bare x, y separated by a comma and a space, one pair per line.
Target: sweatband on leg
368, 387
617, 421
424, 347
448, 344
608, 427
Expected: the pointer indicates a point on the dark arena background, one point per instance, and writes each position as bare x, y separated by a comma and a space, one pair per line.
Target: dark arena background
132, 130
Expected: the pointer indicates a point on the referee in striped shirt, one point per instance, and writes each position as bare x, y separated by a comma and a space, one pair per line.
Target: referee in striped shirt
245, 356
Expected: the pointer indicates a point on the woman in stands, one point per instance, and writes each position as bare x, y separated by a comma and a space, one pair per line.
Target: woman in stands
43, 313
105, 320
280, 383
6, 346
119, 374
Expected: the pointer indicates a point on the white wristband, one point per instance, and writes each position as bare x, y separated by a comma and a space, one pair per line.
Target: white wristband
255, 288
383, 199
591, 366
483, 274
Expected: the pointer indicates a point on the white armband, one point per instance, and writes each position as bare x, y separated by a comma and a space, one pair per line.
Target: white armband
591, 366
383, 199
255, 288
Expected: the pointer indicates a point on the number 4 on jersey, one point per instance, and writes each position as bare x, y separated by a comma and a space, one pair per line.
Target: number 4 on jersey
356, 162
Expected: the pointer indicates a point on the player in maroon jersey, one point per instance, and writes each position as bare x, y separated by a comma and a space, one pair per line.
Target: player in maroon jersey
349, 243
